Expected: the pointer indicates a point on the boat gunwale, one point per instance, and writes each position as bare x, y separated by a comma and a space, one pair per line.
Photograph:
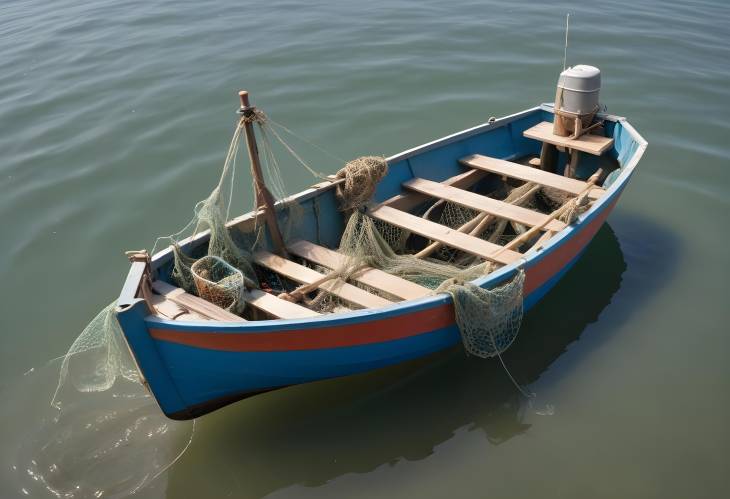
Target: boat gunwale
414, 305
161, 256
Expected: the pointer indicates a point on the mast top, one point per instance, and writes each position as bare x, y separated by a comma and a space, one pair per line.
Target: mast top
243, 95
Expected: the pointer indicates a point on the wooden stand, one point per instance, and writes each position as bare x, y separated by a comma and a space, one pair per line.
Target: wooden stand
548, 152
548, 157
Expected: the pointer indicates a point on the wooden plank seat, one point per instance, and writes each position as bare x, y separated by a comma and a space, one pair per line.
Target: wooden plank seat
276, 307
374, 278
592, 144
443, 234
409, 200
485, 204
529, 174
305, 275
193, 303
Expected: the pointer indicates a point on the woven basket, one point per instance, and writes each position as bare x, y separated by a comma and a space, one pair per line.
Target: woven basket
217, 281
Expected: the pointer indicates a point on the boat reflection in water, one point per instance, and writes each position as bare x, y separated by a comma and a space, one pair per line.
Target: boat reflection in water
313, 433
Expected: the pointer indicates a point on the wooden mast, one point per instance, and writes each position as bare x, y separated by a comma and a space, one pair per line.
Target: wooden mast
264, 199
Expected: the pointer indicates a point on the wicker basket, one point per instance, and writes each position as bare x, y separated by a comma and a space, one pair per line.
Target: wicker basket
217, 281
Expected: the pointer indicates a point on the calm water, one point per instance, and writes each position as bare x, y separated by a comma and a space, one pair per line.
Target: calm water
115, 116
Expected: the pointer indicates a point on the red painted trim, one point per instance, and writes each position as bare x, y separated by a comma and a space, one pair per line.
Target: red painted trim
362, 333
546, 268
378, 330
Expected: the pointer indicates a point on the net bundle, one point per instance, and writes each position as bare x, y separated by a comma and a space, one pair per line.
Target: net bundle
488, 319
361, 177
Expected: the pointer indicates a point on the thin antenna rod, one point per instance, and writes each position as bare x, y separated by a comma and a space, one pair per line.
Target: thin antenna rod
565, 52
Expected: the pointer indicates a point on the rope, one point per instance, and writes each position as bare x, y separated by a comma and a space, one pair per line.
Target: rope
316, 146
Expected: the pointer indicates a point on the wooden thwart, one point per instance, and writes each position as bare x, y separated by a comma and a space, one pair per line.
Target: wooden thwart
410, 200
522, 172
305, 275
592, 144
194, 303
482, 203
443, 234
374, 278
281, 309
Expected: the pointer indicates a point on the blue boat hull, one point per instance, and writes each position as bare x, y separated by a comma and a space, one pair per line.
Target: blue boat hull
195, 367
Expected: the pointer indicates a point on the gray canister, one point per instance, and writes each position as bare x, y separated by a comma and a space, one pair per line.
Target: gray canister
580, 86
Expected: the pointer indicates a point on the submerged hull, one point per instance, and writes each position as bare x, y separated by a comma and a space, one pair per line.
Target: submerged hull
195, 367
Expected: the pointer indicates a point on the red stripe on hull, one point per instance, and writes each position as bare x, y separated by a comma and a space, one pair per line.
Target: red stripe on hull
362, 333
377, 330
543, 271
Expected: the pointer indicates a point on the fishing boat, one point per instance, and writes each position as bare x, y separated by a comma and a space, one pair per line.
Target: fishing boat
196, 356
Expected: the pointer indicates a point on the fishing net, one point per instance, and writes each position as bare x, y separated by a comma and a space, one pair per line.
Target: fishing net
97, 357
361, 176
212, 214
488, 319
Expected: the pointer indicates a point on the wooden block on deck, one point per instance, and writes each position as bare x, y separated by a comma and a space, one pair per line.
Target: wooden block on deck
305, 275
529, 174
482, 203
172, 310
443, 234
374, 278
592, 144
194, 303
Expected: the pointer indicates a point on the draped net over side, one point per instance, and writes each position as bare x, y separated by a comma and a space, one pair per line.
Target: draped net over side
97, 357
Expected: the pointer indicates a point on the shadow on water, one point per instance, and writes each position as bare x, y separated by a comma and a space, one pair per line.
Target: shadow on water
311, 434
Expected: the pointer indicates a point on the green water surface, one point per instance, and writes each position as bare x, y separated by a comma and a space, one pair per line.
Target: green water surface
114, 120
